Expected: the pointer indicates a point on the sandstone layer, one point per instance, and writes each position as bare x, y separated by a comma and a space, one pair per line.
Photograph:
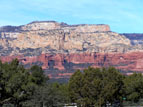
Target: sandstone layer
61, 48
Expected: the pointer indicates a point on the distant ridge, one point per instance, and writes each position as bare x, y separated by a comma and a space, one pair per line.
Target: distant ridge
60, 48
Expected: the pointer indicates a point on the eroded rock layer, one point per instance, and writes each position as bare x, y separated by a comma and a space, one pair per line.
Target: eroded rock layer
61, 48
61, 65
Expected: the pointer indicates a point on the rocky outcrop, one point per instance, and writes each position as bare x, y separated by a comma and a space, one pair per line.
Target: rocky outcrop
63, 65
62, 38
61, 48
134, 38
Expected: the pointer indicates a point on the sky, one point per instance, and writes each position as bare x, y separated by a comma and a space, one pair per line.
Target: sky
123, 16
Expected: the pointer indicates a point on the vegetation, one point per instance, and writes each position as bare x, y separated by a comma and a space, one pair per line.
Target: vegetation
48, 96
133, 86
96, 87
17, 83
20, 87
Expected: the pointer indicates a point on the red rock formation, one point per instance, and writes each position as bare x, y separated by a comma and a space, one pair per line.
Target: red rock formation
124, 61
61, 48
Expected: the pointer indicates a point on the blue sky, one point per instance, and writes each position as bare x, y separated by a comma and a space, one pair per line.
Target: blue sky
123, 16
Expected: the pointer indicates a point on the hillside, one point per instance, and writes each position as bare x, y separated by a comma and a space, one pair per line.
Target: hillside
61, 48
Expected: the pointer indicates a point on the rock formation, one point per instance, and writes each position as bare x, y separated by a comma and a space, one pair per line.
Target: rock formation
61, 48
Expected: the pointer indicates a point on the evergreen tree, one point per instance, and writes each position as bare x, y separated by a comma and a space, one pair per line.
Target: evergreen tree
133, 87
96, 87
16, 82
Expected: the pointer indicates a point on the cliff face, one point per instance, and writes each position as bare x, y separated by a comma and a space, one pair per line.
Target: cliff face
135, 38
60, 48
47, 37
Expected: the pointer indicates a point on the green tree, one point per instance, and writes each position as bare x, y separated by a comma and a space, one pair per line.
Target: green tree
37, 75
75, 87
133, 87
96, 87
112, 86
17, 83
52, 95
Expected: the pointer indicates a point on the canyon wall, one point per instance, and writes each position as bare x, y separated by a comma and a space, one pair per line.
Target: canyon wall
60, 48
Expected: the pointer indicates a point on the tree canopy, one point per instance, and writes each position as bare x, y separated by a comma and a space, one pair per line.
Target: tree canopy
103, 86
91, 87
17, 83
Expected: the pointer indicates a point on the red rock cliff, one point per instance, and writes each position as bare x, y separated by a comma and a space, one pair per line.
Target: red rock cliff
61, 48
128, 62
